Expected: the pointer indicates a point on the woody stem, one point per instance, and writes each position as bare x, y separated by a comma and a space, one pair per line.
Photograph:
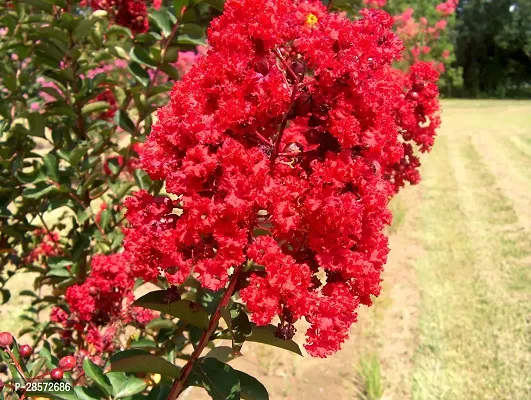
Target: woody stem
178, 384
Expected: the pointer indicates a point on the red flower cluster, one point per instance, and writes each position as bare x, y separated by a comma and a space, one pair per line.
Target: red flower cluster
129, 13
108, 96
103, 300
284, 144
48, 245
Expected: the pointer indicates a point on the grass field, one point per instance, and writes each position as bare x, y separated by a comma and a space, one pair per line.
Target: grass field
454, 318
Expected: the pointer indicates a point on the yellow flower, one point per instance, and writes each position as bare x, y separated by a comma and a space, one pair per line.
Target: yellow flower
155, 378
311, 20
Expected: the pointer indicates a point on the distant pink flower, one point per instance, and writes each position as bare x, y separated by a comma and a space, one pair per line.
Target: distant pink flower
119, 64
375, 3
415, 51
407, 15
446, 54
45, 84
441, 24
157, 4
185, 61
426, 49
35, 106
448, 7
423, 21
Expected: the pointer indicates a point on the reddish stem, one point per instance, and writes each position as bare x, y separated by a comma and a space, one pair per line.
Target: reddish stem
284, 123
17, 365
178, 384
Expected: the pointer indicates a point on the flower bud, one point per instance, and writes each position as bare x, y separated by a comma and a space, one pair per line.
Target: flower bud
298, 69
262, 66
67, 363
25, 350
6, 339
56, 374
302, 105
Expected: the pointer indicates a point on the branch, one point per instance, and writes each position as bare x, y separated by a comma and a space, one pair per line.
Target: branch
178, 384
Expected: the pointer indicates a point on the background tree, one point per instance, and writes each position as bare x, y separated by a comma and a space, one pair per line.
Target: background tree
494, 46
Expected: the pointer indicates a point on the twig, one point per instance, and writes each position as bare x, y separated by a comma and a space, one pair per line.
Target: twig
284, 123
15, 361
178, 384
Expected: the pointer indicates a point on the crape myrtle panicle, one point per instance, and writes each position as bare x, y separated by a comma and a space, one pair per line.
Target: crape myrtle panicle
102, 305
132, 14
283, 145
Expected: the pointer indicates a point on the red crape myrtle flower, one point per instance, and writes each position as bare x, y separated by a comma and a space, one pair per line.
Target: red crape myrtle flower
284, 144
103, 303
129, 13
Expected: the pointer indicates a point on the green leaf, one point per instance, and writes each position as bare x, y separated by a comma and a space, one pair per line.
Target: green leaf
37, 366
142, 179
136, 360
252, 388
159, 392
60, 272
77, 154
139, 73
160, 323
192, 34
28, 293
82, 27
218, 4
178, 5
143, 343
141, 56
40, 4
240, 326
162, 19
124, 122
124, 386
45, 352
119, 30
185, 310
95, 373
119, 52
169, 70
223, 354
37, 124
5, 295
51, 166
40, 190
266, 335
106, 216
80, 245
95, 107
123, 189
88, 393
220, 380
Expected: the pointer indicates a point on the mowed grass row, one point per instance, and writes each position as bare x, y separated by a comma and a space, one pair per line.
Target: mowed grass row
474, 274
